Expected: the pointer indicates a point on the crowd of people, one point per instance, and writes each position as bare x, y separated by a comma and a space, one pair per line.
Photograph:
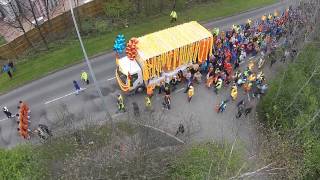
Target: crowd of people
222, 69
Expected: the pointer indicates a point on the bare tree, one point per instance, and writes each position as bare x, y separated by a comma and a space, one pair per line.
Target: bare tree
30, 6
15, 7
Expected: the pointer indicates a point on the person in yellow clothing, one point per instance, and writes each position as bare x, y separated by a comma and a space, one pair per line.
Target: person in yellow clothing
120, 103
150, 90
148, 102
84, 77
173, 16
252, 77
190, 93
234, 92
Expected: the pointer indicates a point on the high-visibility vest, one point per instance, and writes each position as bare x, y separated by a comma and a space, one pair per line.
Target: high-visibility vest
174, 14
252, 77
219, 84
148, 101
84, 76
234, 93
120, 100
190, 91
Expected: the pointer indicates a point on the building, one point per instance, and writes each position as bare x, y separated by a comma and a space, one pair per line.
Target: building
8, 9
40, 6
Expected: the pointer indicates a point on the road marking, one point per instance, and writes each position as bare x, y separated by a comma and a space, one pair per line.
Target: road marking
111, 78
162, 131
179, 90
252, 57
4, 119
116, 115
82, 89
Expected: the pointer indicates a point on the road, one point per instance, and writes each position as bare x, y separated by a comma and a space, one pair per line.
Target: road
53, 95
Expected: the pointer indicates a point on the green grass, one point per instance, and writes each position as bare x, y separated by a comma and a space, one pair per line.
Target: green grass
70, 53
195, 162
31, 161
2, 40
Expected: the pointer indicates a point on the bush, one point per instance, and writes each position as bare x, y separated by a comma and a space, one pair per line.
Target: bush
292, 108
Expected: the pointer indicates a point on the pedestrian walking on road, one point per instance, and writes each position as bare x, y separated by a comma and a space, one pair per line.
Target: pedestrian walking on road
240, 111
7, 112
148, 102
167, 102
84, 77
120, 103
218, 85
240, 103
234, 92
150, 90
247, 111
190, 93
222, 106
76, 86
180, 129
161, 87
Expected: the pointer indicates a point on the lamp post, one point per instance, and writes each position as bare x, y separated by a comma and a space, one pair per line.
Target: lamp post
90, 67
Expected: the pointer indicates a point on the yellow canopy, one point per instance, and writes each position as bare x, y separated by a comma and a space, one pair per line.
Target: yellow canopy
158, 43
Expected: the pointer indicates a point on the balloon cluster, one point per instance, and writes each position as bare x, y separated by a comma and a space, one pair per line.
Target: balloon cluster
119, 44
132, 48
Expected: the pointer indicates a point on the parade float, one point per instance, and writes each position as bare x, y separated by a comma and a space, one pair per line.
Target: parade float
159, 56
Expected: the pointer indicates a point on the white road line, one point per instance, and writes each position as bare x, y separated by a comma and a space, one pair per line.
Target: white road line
252, 57
162, 131
179, 90
82, 89
111, 78
4, 119
116, 115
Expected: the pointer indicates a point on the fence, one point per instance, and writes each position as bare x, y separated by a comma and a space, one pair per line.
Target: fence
58, 27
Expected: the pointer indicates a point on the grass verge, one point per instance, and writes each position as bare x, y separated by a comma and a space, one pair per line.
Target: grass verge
70, 53
207, 161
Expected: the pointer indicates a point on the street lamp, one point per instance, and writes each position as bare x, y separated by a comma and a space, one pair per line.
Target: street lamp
90, 67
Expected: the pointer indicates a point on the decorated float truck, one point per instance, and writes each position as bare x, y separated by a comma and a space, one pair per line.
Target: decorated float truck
160, 55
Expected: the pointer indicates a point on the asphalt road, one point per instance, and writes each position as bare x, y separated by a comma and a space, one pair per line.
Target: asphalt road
52, 98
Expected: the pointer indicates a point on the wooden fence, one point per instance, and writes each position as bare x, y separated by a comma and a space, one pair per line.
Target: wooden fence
59, 26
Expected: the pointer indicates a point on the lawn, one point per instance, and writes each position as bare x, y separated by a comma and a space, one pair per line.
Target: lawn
69, 53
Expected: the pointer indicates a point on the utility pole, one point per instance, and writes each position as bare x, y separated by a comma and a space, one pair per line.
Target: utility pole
90, 68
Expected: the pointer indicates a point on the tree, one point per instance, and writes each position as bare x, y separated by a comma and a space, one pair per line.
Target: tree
30, 6
17, 23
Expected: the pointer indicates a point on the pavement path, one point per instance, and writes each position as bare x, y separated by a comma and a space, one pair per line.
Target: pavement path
50, 97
